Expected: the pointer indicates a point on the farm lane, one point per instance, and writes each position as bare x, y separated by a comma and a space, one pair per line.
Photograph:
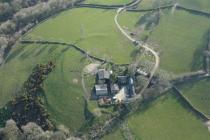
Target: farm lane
140, 44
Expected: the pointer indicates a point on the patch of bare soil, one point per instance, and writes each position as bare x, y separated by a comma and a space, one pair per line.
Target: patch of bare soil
75, 81
91, 68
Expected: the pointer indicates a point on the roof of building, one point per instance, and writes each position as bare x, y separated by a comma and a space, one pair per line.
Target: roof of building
122, 79
115, 87
101, 89
103, 74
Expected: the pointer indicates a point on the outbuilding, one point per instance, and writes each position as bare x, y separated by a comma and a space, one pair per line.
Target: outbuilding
101, 90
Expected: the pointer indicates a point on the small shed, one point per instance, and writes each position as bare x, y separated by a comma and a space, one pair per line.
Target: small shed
114, 88
101, 90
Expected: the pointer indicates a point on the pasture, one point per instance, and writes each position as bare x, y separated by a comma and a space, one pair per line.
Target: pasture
92, 30
148, 4
107, 2
203, 5
198, 94
167, 119
180, 42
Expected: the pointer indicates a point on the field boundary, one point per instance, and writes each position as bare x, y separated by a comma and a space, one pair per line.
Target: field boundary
178, 7
71, 45
106, 6
199, 113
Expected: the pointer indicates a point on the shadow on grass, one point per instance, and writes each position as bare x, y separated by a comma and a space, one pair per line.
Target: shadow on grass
52, 49
198, 56
65, 49
14, 54
40, 51
188, 107
135, 53
149, 20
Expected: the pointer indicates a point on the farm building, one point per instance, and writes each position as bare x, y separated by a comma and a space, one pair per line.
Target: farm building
101, 90
114, 88
102, 76
122, 80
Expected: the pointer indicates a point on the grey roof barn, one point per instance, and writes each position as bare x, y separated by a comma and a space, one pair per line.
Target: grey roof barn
103, 74
101, 90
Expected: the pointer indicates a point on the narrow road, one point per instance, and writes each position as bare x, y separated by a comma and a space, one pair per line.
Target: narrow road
140, 44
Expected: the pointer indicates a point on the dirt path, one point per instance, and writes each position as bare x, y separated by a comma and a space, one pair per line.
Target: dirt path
140, 44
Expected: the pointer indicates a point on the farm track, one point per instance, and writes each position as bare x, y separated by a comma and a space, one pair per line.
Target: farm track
141, 45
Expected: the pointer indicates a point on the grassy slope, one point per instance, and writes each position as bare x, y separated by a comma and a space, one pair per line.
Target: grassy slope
180, 41
196, 4
167, 119
107, 1
190, 40
199, 95
132, 17
146, 4
97, 29
65, 101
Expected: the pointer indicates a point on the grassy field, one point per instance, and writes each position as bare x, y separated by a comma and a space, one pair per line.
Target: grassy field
180, 45
147, 4
91, 29
199, 95
174, 37
107, 1
167, 119
64, 95
196, 4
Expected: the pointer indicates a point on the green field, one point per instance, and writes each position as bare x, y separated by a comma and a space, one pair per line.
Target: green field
107, 1
167, 119
199, 95
180, 42
203, 5
91, 29
147, 4
65, 98
174, 37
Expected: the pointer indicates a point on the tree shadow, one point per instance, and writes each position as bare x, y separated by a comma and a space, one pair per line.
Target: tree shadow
149, 20
135, 53
40, 50
65, 49
198, 56
52, 49
188, 107
14, 54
